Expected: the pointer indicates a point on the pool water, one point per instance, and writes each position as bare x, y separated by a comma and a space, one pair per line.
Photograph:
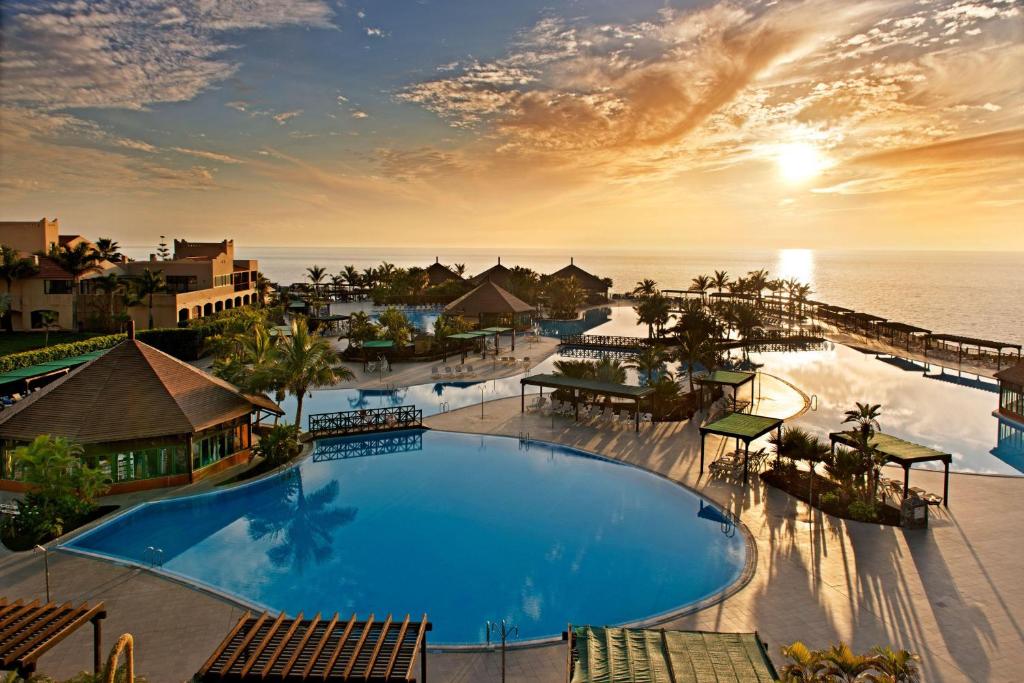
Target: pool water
465, 528
422, 319
923, 403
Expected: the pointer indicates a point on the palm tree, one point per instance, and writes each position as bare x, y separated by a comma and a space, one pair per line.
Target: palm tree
48, 319
369, 277
758, 280
78, 260
610, 370
352, 277
262, 285
806, 664
720, 279
146, 285
865, 415
650, 362
110, 285
306, 362
109, 249
701, 283
898, 665
460, 269
696, 347
645, 288
316, 275
14, 266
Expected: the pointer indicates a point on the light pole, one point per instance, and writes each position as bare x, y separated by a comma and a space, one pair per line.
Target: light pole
46, 569
482, 402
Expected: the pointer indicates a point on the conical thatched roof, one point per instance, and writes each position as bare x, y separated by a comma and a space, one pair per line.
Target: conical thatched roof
132, 391
488, 298
498, 274
438, 273
583, 278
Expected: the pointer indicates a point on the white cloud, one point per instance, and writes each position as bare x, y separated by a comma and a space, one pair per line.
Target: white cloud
359, 114
210, 156
283, 117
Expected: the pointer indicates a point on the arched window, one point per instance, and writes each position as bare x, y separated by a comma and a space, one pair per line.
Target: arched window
197, 312
208, 309
228, 303
238, 301
245, 299
183, 315
218, 306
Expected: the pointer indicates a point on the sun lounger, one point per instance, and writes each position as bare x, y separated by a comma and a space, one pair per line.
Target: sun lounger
435, 372
470, 371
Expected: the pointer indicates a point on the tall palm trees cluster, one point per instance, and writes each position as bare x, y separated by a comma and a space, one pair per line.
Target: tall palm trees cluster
387, 281
258, 360
840, 663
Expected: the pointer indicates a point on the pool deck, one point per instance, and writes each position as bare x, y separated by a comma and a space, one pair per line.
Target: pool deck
951, 593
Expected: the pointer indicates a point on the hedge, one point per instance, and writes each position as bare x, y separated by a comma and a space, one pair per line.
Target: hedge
184, 343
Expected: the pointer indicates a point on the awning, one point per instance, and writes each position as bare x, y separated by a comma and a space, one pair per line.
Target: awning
603, 655
591, 385
730, 378
378, 344
742, 426
49, 367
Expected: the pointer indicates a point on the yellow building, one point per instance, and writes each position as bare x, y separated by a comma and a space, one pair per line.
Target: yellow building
201, 279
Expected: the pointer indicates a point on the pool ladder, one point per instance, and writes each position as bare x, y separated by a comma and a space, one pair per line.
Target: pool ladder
443, 407
524, 440
155, 556
814, 402
729, 526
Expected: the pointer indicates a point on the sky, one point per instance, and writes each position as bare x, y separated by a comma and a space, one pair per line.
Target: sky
768, 124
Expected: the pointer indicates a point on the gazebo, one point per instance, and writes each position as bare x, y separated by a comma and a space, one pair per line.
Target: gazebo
489, 303
729, 378
904, 453
498, 274
742, 427
28, 631
588, 282
438, 273
145, 418
576, 385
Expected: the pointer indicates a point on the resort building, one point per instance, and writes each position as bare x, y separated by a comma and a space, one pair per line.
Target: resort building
145, 418
50, 289
1011, 392
595, 287
438, 274
203, 278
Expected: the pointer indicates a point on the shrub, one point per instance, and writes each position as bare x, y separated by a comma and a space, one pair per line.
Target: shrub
58, 352
863, 511
279, 445
829, 499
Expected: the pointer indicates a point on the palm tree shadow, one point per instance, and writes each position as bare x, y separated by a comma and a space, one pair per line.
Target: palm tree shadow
302, 525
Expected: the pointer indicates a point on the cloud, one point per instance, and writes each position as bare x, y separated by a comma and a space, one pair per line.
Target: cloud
209, 156
283, 117
107, 53
359, 114
374, 32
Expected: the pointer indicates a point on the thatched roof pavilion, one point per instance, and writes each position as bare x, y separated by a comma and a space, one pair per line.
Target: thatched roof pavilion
587, 281
438, 273
498, 274
147, 418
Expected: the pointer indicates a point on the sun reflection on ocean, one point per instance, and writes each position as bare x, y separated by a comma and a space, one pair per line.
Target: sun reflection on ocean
795, 263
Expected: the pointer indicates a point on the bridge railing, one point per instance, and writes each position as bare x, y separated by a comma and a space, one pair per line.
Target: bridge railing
365, 421
603, 341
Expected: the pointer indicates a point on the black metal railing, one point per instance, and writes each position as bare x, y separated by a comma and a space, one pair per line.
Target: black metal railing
344, 449
365, 421
598, 341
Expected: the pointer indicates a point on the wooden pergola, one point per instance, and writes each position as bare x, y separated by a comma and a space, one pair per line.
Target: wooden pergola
728, 378
27, 632
903, 453
576, 385
742, 427
894, 329
980, 344
262, 648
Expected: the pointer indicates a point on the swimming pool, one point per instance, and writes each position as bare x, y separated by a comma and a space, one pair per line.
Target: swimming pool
466, 528
422, 319
923, 403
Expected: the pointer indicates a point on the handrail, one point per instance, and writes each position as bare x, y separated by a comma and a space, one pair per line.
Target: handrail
364, 421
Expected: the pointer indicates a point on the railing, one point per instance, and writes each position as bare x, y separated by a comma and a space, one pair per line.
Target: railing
365, 421
593, 341
345, 449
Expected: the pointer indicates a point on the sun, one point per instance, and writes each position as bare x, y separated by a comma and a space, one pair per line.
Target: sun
799, 162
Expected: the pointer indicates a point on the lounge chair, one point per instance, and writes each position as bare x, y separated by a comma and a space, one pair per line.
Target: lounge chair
624, 417
435, 372
470, 371
448, 371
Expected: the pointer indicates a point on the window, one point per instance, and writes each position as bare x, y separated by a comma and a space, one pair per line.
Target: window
57, 286
211, 448
221, 280
36, 318
144, 463
181, 283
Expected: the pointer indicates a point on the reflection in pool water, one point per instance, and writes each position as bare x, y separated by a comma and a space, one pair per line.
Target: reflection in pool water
924, 403
465, 528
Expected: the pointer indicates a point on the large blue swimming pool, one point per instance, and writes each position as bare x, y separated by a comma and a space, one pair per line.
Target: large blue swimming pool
465, 528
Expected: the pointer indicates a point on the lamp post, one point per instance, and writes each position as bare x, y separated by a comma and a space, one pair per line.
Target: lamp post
482, 401
46, 568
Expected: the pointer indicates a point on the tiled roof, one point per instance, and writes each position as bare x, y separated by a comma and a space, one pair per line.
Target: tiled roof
51, 270
488, 298
498, 274
133, 391
1014, 375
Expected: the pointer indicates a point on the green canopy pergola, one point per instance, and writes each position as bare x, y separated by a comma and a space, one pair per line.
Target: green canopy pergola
379, 344
742, 427
41, 370
576, 384
903, 453
729, 378
497, 332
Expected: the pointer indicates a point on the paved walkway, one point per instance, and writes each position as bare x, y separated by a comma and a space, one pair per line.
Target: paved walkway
951, 593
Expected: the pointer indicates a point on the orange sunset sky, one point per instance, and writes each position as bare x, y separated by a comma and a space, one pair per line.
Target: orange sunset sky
771, 124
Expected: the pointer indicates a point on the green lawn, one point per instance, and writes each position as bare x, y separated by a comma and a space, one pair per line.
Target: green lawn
13, 342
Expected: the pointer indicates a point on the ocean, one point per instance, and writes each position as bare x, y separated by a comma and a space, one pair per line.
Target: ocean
979, 294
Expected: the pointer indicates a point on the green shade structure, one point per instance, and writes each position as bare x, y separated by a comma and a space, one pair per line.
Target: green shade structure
463, 336
49, 367
729, 378
378, 344
575, 385
901, 452
742, 427
605, 654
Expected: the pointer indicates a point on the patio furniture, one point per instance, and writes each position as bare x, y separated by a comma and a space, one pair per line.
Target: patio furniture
435, 372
